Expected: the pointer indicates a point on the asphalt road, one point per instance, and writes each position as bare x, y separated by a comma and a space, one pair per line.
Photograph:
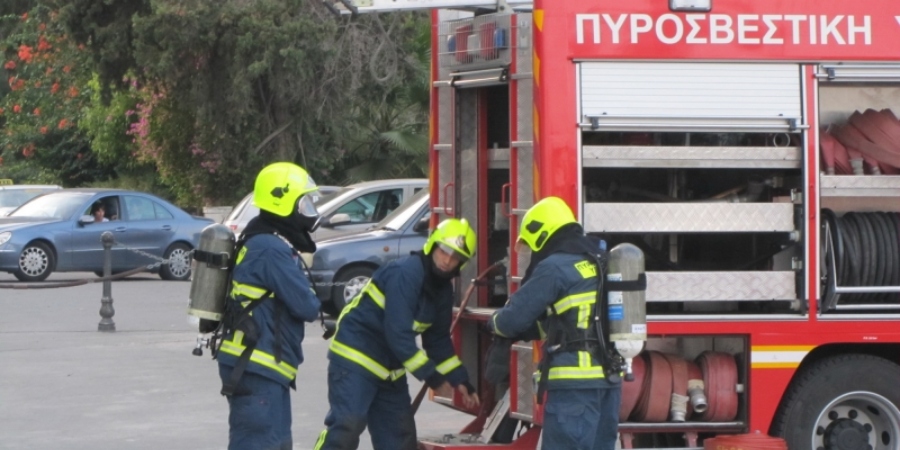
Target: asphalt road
64, 385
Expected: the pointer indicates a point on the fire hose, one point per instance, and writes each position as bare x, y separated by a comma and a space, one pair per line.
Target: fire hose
462, 308
866, 251
669, 388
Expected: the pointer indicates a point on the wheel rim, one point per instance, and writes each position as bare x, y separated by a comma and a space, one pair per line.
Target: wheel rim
353, 286
179, 265
857, 421
34, 261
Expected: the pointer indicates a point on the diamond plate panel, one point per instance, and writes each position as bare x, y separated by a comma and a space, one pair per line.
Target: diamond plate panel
718, 286
720, 157
688, 217
869, 185
446, 160
524, 110
523, 43
467, 183
524, 373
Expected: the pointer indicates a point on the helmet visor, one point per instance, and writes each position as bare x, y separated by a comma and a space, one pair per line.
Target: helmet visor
306, 207
451, 251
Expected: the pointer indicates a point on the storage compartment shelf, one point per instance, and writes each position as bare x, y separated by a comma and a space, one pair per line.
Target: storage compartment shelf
721, 286
688, 217
860, 186
693, 157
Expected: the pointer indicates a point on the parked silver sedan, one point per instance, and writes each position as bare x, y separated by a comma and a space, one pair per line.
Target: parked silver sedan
348, 209
60, 232
342, 265
13, 196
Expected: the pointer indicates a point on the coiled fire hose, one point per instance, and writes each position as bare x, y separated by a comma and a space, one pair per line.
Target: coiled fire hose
866, 251
669, 388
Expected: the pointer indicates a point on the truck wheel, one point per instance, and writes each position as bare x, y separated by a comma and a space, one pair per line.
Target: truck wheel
349, 283
36, 262
179, 266
845, 402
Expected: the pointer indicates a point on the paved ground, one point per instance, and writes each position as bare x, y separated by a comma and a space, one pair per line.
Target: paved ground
64, 385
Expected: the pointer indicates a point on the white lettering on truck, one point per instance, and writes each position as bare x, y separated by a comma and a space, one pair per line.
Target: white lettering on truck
744, 29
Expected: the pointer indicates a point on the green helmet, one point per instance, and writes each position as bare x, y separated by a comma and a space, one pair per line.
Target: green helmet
453, 236
542, 220
280, 185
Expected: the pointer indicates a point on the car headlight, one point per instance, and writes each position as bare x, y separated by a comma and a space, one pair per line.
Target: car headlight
5, 236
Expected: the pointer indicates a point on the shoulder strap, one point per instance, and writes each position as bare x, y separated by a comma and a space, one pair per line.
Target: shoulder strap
229, 387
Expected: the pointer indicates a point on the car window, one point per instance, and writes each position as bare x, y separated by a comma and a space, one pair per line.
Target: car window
162, 212
387, 202
325, 198
402, 215
110, 208
56, 205
139, 208
11, 198
361, 209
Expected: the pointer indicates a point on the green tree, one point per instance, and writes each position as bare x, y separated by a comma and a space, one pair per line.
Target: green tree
46, 75
224, 87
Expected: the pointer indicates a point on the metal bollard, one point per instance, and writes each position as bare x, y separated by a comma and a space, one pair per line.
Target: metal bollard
106, 302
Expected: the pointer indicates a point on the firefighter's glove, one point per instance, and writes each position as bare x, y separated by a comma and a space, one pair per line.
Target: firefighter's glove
497, 361
330, 328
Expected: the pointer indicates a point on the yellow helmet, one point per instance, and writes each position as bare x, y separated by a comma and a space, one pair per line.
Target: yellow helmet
280, 185
542, 220
453, 236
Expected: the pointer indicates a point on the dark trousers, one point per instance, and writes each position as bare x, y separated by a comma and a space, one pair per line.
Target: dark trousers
581, 419
259, 415
356, 401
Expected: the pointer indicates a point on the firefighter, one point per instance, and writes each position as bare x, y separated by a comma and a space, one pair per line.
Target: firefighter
271, 299
557, 296
375, 345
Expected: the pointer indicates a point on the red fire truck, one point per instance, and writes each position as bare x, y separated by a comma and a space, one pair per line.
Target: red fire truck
748, 148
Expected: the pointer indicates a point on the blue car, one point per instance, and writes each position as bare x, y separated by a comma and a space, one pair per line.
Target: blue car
342, 265
60, 232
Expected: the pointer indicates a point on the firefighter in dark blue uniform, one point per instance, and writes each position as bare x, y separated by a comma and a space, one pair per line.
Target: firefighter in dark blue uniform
258, 362
375, 345
556, 301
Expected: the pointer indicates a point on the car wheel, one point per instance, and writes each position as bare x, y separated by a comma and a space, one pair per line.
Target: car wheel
36, 262
179, 266
348, 283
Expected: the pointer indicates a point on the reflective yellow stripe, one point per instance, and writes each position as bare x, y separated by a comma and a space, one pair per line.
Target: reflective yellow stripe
246, 290
420, 327
375, 293
574, 300
321, 439
418, 360
572, 373
497, 330
585, 369
451, 363
584, 315
260, 357
368, 363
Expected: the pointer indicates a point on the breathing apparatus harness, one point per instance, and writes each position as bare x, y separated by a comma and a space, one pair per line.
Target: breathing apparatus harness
238, 318
562, 337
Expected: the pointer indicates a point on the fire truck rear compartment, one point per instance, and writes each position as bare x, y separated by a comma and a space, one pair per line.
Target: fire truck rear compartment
718, 229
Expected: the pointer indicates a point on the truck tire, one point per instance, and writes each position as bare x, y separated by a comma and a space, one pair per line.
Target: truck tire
36, 262
349, 282
844, 402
